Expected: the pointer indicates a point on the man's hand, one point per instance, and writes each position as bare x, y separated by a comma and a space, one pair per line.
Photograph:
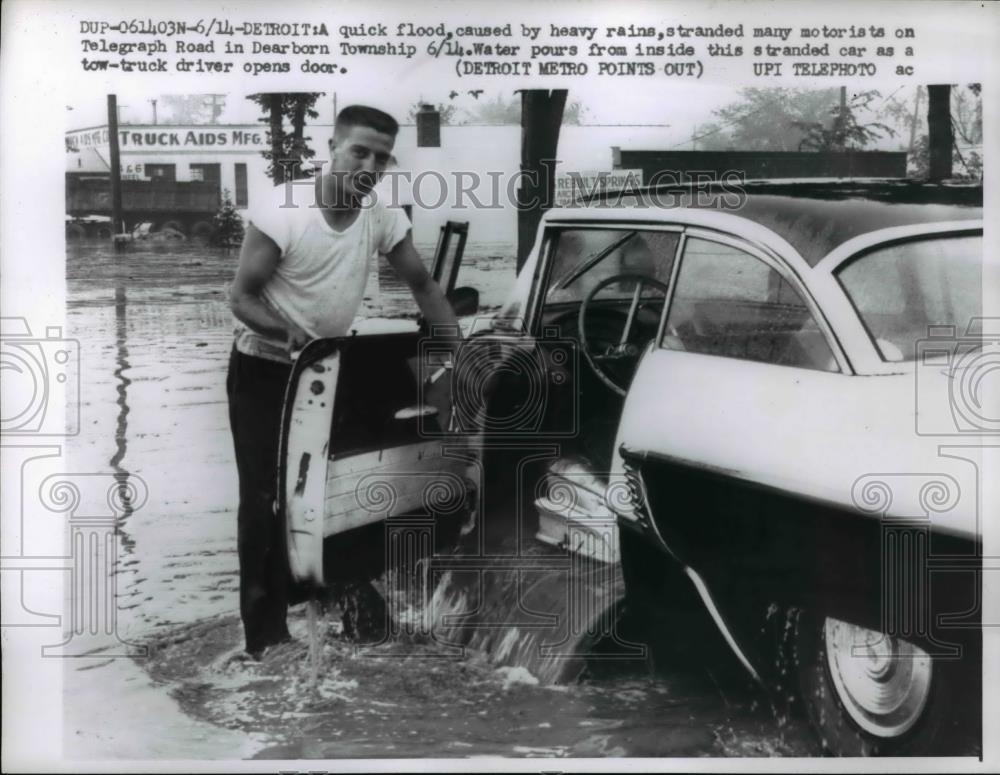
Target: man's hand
297, 338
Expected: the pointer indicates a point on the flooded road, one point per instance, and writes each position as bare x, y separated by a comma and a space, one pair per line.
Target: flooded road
155, 333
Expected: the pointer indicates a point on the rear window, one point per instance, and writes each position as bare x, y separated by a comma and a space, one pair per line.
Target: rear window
729, 303
901, 290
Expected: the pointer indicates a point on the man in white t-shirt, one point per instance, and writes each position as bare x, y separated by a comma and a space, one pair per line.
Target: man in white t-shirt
301, 276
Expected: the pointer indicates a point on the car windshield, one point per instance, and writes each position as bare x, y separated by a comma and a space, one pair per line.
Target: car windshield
586, 257
903, 289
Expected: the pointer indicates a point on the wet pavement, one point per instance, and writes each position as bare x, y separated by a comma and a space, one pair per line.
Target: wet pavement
155, 334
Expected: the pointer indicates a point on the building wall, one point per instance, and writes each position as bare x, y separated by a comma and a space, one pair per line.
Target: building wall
496, 150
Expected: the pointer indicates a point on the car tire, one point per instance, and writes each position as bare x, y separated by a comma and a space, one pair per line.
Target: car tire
898, 705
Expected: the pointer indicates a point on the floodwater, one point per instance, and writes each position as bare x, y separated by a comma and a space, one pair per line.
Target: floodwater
155, 334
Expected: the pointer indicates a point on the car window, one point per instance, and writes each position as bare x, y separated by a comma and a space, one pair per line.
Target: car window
585, 257
901, 290
729, 303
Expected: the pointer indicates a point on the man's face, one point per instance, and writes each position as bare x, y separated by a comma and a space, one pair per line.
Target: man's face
359, 156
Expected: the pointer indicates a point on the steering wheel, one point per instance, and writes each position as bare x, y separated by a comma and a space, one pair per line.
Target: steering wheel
623, 350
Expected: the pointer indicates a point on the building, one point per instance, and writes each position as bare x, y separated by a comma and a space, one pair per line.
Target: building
471, 176
225, 155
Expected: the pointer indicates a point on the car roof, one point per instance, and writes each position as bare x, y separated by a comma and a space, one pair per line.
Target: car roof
816, 216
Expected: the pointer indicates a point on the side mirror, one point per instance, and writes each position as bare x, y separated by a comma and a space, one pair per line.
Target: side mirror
464, 300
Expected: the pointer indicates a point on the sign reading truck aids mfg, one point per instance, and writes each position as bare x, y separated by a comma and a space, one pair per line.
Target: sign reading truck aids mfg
153, 137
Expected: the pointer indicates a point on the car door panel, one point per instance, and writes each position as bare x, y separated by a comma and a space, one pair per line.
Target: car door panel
774, 488
388, 449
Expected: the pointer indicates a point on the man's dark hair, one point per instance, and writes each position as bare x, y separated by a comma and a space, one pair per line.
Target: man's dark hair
362, 115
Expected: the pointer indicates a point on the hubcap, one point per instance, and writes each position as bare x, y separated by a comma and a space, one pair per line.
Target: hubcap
882, 681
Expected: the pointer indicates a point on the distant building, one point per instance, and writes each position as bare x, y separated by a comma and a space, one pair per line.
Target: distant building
225, 154
228, 156
762, 165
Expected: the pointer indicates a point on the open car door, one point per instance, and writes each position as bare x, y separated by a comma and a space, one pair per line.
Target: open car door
366, 437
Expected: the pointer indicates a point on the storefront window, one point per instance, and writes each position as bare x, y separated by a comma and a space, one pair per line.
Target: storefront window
241, 184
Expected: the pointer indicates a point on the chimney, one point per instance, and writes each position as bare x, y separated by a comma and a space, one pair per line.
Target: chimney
428, 127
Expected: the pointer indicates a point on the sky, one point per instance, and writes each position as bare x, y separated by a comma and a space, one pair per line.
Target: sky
680, 109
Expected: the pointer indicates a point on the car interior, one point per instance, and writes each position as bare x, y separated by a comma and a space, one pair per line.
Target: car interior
600, 305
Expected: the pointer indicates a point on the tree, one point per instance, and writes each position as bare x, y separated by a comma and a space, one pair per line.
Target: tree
228, 223
496, 111
288, 150
767, 119
499, 110
967, 123
940, 136
192, 108
541, 118
298, 107
967, 113
574, 113
844, 132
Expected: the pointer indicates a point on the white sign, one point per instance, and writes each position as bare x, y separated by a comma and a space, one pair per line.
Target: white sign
163, 138
572, 185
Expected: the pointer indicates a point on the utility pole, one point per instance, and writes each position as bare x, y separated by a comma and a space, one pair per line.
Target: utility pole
117, 225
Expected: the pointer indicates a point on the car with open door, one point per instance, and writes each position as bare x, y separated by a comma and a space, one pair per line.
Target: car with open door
777, 390
801, 438
767, 393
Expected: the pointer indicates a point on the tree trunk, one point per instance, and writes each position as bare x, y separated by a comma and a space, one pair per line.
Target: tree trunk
940, 137
541, 118
277, 138
298, 134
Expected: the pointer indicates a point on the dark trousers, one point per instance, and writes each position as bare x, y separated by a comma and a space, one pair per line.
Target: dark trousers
256, 390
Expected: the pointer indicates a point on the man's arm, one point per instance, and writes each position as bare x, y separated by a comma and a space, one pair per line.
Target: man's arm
258, 260
431, 300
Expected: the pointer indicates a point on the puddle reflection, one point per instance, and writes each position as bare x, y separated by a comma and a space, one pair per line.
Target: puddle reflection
121, 425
